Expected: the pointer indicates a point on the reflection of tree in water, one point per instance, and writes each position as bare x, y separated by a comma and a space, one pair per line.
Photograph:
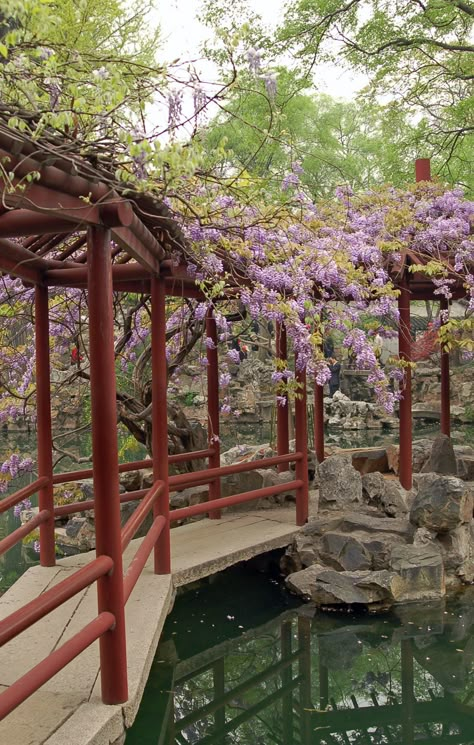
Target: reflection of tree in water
384, 682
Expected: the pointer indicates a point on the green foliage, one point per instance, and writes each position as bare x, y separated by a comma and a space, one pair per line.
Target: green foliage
418, 56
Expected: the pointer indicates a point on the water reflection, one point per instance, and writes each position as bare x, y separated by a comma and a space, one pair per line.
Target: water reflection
298, 680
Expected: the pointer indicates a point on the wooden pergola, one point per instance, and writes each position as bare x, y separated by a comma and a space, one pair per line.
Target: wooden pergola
78, 230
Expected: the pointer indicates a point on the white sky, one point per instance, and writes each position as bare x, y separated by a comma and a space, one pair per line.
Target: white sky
183, 35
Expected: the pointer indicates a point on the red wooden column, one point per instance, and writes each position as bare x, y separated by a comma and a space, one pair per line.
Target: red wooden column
319, 422
445, 384
282, 412
423, 169
159, 426
404, 351
113, 656
43, 422
301, 445
423, 173
213, 409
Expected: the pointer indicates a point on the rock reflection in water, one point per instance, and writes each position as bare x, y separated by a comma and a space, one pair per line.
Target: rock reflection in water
298, 680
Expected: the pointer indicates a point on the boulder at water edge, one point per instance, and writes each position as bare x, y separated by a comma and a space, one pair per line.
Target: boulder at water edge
442, 503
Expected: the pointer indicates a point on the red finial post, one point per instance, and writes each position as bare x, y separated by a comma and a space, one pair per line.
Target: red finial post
423, 169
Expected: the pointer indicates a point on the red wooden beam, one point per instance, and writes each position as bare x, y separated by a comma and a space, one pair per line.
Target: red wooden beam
162, 555
27, 491
301, 446
113, 657
43, 420
19, 262
213, 424
22, 688
423, 169
49, 600
139, 560
319, 422
405, 413
20, 222
445, 383
282, 411
217, 504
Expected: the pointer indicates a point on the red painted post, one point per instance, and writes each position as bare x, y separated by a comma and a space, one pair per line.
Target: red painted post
282, 412
301, 445
213, 409
445, 384
159, 431
423, 169
43, 423
404, 350
319, 422
110, 595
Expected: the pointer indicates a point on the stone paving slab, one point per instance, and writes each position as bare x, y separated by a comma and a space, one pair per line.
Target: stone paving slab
67, 710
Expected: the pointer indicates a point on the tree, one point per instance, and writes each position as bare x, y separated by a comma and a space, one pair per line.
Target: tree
418, 55
335, 142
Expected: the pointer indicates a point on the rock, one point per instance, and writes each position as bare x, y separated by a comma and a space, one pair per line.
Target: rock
370, 461
455, 546
373, 487
442, 459
302, 582
131, 480
423, 537
394, 501
387, 495
353, 521
344, 552
420, 573
243, 453
326, 587
465, 468
178, 501
421, 450
340, 484
393, 458
466, 572
442, 503
146, 478
79, 534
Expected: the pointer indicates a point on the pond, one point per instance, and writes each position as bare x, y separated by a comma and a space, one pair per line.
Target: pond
241, 663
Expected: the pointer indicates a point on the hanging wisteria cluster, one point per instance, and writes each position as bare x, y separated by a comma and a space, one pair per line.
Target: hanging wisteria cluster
322, 270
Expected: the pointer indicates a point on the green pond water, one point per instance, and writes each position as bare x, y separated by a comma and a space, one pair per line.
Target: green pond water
241, 663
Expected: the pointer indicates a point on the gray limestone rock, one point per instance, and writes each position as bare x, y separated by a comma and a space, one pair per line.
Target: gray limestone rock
455, 546
442, 503
394, 500
373, 487
384, 494
344, 552
442, 458
301, 582
352, 588
340, 484
131, 480
421, 450
420, 573
352, 521
465, 466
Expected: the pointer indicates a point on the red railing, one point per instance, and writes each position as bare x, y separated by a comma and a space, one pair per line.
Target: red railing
51, 599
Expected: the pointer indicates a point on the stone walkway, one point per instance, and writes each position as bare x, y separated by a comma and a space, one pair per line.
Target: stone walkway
67, 710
